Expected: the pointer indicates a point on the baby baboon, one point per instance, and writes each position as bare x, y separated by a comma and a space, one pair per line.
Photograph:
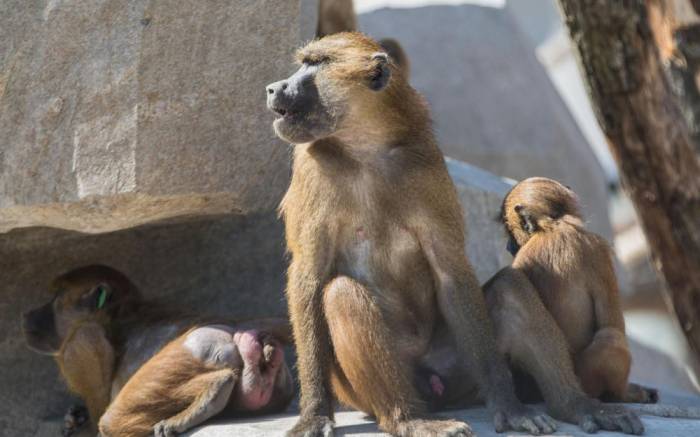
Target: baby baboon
385, 307
557, 313
151, 369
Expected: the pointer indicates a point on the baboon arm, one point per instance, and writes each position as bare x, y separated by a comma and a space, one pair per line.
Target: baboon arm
461, 303
87, 362
311, 337
606, 298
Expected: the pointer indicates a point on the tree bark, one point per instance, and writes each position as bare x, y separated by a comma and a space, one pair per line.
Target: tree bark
648, 124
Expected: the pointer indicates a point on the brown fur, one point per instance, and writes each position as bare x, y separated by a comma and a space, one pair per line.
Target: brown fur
572, 270
86, 362
378, 264
336, 16
128, 361
557, 312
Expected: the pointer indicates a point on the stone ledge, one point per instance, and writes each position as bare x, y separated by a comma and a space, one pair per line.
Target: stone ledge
98, 214
356, 424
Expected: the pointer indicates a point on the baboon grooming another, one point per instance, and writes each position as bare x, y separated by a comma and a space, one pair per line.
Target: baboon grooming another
153, 370
386, 311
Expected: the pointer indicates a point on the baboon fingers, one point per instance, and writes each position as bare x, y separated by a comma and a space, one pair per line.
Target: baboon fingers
545, 423
619, 419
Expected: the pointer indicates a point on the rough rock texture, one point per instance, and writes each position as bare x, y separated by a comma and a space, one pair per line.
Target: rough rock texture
492, 101
104, 98
135, 134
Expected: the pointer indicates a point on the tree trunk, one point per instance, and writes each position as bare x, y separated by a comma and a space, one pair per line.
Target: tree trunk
646, 112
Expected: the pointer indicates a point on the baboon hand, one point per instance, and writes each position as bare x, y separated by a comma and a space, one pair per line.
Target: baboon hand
163, 429
75, 418
610, 418
523, 419
434, 428
313, 426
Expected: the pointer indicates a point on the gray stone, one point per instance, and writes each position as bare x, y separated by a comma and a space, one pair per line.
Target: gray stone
135, 134
352, 423
491, 100
481, 194
156, 98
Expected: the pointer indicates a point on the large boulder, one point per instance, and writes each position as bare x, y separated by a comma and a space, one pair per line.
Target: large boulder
156, 98
135, 134
492, 101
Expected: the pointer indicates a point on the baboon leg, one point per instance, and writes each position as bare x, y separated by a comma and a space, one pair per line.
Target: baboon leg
374, 380
192, 402
527, 333
344, 392
215, 390
604, 366
529, 336
370, 375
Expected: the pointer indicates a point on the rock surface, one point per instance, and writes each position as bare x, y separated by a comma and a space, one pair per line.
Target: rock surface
106, 98
352, 423
492, 101
135, 134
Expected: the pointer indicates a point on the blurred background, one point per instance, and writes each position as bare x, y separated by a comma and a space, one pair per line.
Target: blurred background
135, 134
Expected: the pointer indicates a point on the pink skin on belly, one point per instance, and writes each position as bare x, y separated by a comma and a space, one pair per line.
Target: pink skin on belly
257, 382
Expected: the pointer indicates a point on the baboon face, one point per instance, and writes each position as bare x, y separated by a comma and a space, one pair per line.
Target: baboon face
337, 75
533, 204
92, 293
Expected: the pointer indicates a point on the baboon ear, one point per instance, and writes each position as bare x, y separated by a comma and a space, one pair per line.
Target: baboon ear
526, 219
397, 54
380, 74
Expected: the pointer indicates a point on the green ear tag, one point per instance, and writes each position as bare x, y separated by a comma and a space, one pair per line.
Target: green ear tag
102, 298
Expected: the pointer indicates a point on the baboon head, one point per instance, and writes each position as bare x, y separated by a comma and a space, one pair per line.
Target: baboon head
534, 205
88, 294
342, 81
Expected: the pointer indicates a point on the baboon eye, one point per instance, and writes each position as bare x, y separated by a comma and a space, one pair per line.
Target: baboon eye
314, 61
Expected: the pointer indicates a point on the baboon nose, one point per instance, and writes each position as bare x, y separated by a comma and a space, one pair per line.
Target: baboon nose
276, 87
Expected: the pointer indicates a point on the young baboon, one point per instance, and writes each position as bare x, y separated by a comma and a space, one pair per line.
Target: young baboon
142, 369
557, 313
385, 308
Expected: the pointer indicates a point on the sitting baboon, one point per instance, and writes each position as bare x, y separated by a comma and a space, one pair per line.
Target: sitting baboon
557, 313
143, 369
383, 300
